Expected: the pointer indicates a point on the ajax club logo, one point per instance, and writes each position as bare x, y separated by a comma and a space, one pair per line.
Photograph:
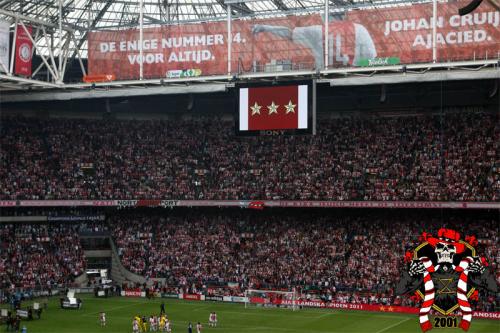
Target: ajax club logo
25, 52
444, 273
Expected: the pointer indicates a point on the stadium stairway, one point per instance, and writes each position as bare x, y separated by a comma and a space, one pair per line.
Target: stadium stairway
81, 280
101, 252
119, 273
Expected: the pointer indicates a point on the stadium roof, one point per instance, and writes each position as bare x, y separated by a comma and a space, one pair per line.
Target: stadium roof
85, 15
62, 27
90, 14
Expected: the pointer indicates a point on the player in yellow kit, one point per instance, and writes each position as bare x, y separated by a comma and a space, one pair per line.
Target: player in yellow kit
162, 323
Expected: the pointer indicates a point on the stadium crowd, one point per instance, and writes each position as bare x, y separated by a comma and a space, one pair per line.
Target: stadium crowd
454, 157
338, 255
355, 257
39, 256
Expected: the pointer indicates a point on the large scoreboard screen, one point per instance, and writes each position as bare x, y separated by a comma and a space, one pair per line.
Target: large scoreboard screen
276, 109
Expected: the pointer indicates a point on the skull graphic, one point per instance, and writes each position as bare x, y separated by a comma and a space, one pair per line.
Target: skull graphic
445, 252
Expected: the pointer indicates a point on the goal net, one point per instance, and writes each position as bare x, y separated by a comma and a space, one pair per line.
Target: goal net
271, 298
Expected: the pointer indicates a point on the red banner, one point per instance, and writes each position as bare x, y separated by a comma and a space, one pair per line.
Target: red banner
406, 32
361, 37
24, 51
370, 307
192, 297
133, 292
148, 203
348, 306
253, 204
486, 315
257, 205
258, 300
198, 49
64, 203
98, 78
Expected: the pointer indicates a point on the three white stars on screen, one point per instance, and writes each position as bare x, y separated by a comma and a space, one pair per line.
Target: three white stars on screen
273, 108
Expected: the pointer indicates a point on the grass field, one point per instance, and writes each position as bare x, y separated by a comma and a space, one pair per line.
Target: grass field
232, 318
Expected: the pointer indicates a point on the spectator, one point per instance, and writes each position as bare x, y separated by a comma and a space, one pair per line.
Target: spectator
353, 257
407, 158
34, 256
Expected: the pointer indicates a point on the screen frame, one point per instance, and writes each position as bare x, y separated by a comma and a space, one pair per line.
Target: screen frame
311, 106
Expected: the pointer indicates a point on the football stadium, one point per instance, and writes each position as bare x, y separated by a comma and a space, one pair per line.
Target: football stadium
250, 166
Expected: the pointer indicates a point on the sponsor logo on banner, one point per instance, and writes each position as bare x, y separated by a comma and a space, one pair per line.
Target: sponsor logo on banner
133, 293
168, 295
76, 218
104, 203
22, 313
258, 205
214, 298
23, 51
238, 299
54, 203
98, 78
4, 46
168, 203
444, 272
127, 203
148, 203
364, 62
175, 74
193, 297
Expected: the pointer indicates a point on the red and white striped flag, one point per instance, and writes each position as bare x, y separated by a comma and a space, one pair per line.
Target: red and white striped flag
274, 108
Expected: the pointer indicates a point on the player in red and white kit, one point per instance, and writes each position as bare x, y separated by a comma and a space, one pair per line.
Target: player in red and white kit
102, 318
135, 326
153, 324
212, 319
198, 327
168, 328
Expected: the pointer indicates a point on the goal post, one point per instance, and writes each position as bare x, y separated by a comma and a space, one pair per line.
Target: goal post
285, 299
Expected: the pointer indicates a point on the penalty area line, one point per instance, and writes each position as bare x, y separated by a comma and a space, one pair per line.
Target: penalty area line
325, 315
112, 309
393, 325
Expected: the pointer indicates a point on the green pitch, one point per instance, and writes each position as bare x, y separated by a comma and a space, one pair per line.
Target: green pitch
232, 318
